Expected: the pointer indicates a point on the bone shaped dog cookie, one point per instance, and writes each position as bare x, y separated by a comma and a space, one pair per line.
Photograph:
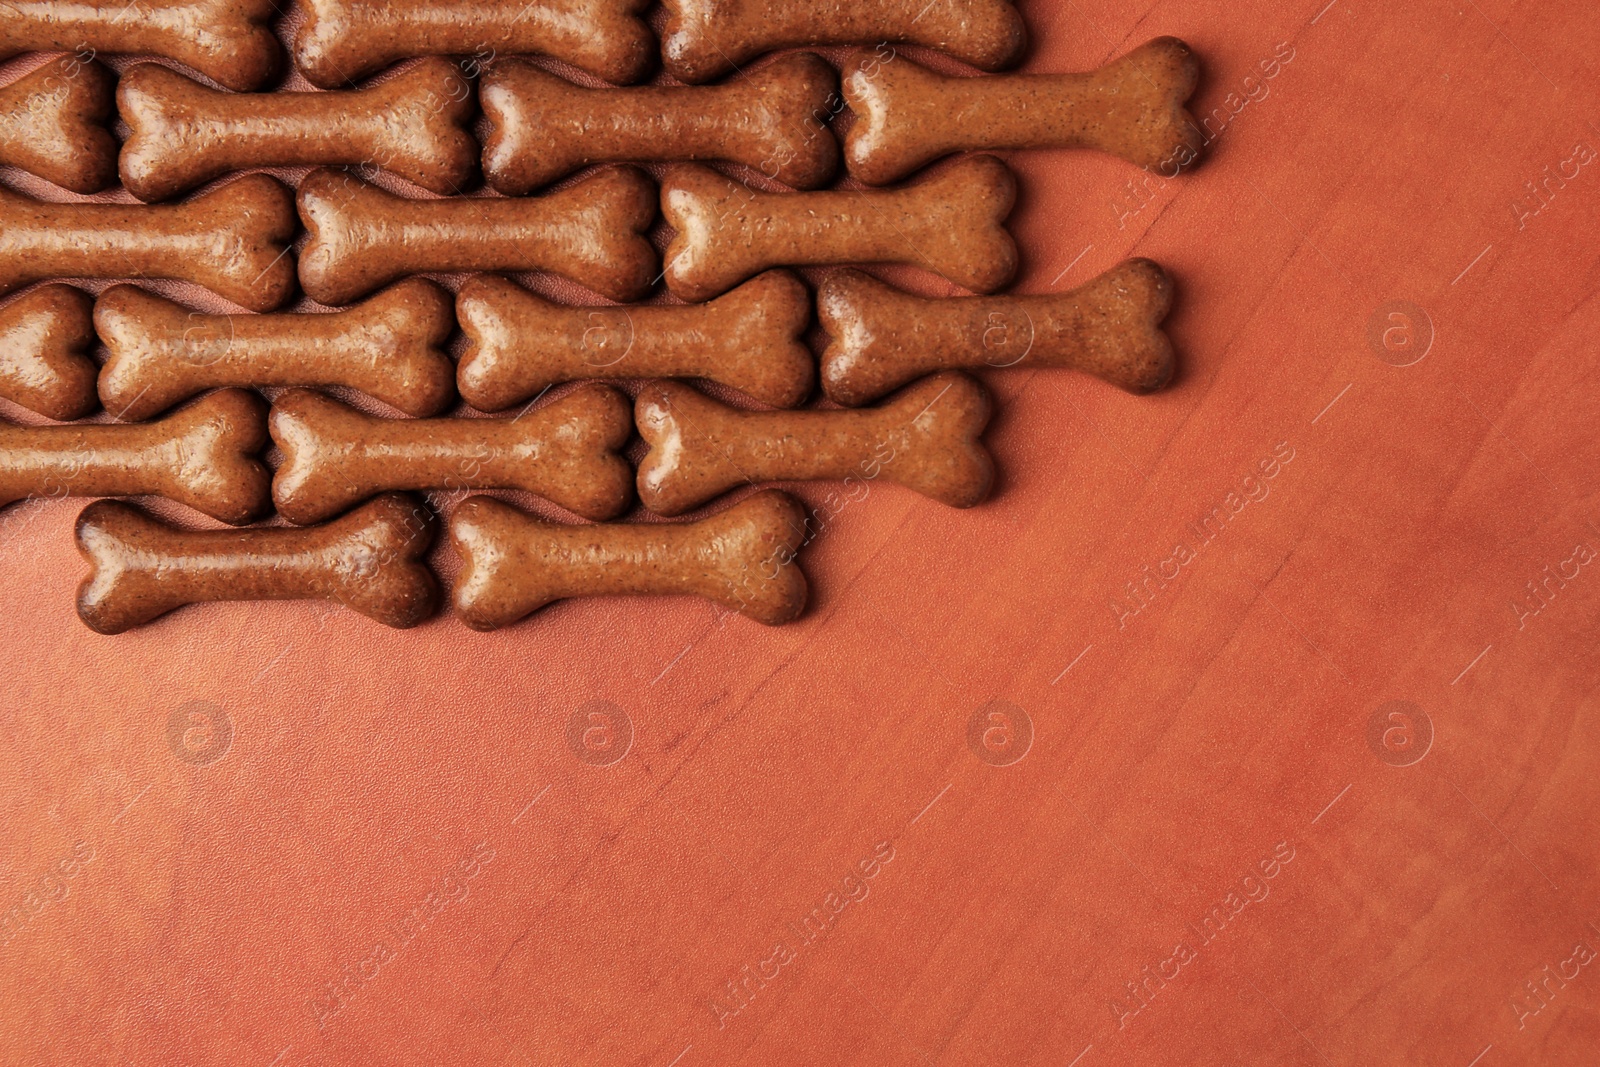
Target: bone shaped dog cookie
545, 127
591, 232
925, 439
45, 336
883, 338
706, 38
344, 39
750, 338
202, 456
950, 223
390, 347
184, 134
232, 240
371, 561
53, 124
566, 452
743, 558
228, 41
1132, 108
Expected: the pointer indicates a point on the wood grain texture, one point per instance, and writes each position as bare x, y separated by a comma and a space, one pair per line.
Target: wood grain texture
420, 791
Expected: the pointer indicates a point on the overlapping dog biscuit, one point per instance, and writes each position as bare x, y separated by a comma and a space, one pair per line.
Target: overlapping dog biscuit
1132, 108
345, 39
882, 338
371, 561
591, 232
233, 240
545, 127
45, 337
184, 134
950, 223
707, 38
742, 558
566, 452
518, 344
202, 456
53, 123
390, 347
229, 41
925, 439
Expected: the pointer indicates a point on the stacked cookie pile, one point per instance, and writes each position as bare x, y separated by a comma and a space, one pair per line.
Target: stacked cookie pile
180, 386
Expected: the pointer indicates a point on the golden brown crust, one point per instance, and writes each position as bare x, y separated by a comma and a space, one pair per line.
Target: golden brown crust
743, 558
751, 338
882, 338
927, 439
369, 561
53, 123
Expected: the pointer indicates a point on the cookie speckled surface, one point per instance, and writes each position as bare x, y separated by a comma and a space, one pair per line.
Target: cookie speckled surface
45, 337
53, 123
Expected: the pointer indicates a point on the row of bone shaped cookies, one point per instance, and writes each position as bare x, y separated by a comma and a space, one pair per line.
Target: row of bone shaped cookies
416, 124
232, 43
205, 455
518, 345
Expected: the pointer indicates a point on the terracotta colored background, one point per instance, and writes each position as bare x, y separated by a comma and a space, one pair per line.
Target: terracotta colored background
418, 790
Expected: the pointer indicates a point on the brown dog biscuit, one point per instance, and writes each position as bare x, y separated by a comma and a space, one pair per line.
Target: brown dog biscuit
370, 561
707, 38
202, 456
1132, 108
233, 241
229, 41
344, 39
950, 223
882, 338
545, 127
591, 232
743, 558
566, 452
45, 337
390, 347
184, 134
53, 124
751, 339
925, 439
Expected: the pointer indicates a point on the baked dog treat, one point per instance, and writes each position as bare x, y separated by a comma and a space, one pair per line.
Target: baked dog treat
591, 232
184, 134
370, 561
202, 456
229, 41
45, 337
344, 39
53, 124
390, 348
545, 127
335, 457
233, 241
950, 223
1132, 108
751, 339
742, 558
926, 439
882, 338
707, 38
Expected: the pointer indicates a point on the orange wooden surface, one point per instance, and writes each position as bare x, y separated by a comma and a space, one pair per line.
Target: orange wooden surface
400, 859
